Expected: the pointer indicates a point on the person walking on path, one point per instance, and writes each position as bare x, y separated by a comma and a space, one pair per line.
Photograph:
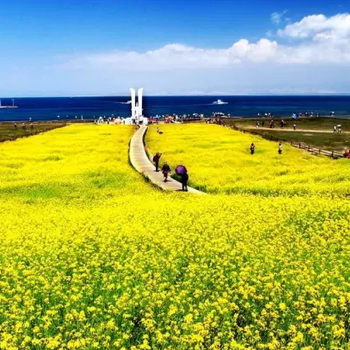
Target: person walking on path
252, 148
280, 148
294, 126
165, 171
156, 159
184, 180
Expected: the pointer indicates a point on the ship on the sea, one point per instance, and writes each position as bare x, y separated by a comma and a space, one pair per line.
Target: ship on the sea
219, 102
10, 106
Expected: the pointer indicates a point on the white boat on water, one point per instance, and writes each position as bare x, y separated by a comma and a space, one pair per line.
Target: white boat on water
220, 102
13, 105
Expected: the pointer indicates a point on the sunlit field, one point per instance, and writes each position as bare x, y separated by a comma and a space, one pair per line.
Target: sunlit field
94, 257
219, 161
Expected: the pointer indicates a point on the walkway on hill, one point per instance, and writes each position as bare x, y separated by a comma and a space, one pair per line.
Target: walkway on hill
142, 164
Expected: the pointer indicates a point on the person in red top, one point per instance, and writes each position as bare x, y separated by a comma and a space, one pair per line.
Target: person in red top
165, 171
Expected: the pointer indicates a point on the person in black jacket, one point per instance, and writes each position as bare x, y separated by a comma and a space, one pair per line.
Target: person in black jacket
280, 148
184, 180
156, 159
252, 148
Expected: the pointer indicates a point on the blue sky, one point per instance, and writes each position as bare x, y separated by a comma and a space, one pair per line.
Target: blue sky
55, 48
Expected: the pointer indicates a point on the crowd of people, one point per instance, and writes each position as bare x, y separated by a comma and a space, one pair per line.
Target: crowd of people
337, 129
272, 124
110, 120
167, 119
216, 120
24, 126
294, 115
252, 148
166, 171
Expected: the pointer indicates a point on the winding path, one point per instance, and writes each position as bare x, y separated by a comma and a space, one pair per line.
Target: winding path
140, 161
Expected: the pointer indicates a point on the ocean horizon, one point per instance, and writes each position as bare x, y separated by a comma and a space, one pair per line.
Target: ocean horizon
91, 107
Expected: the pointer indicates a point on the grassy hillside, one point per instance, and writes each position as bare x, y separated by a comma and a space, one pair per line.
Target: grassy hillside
8, 132
324, 138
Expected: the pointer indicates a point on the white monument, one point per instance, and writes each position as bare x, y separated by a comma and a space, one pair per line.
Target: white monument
136, 108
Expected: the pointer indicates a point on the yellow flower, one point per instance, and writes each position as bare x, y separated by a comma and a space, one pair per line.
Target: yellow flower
93, 256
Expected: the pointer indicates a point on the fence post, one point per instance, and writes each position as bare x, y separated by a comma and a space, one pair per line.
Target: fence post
299, 145
319, 150
332, 154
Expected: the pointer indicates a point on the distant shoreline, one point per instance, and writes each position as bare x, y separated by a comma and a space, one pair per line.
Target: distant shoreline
252, 118
90, 108
177, 95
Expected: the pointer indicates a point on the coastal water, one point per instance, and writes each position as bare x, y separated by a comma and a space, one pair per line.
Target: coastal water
65, 108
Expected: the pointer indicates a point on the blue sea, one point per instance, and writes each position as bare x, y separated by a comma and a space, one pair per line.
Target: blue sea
68, 108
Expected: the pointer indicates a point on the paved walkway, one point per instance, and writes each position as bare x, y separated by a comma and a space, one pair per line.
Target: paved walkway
142, 164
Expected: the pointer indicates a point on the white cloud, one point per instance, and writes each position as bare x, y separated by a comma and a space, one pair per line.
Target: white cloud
178, 56
319, 28
277, 17
319, 46
324, 40
312, 55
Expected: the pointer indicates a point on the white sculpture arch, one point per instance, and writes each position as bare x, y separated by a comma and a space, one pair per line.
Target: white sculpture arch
136, 107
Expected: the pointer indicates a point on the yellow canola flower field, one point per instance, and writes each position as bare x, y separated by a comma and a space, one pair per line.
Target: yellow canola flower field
93, 257
219, 161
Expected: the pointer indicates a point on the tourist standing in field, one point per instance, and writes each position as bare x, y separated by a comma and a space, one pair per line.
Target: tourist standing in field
165, 171
280, 148
252, 148
294, 126
156, 159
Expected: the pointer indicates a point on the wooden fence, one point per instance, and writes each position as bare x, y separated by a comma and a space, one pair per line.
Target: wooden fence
314, 150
